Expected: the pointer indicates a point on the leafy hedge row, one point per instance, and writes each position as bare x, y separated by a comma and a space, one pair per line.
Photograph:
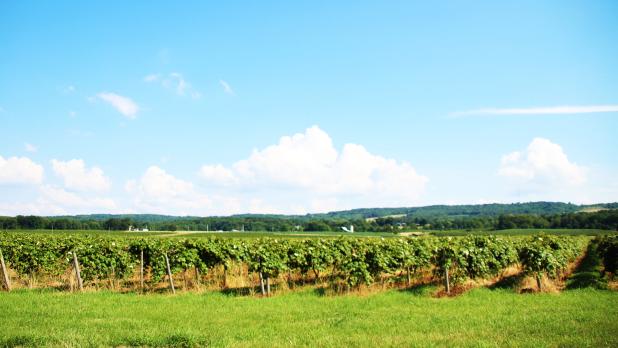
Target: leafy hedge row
350, 260
608, 248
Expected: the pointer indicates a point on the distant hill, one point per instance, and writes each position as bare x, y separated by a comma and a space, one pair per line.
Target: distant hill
432, 211
134, 217
494, 209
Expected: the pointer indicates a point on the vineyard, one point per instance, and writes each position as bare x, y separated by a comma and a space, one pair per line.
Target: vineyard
346, 263
216, 275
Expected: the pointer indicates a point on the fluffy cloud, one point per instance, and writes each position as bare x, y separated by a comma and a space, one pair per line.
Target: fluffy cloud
218, 174
543, 164
124, 105
158, 191
174, 81
20, 170
77, 176
308, 165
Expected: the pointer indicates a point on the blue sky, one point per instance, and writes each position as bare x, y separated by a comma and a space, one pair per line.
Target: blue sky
182, 108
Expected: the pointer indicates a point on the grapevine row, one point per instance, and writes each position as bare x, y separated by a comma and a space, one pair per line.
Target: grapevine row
348, 260
608, 248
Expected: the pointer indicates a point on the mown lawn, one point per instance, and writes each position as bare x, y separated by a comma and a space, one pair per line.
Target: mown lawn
481, 317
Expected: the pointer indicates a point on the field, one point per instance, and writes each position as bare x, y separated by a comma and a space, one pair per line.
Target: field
323, 234
205, 234
527, 232
327, 291
479, 318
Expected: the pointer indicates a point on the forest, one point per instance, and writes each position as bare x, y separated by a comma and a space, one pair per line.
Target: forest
469, 217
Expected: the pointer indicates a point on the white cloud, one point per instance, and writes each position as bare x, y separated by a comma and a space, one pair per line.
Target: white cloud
56, 201
543, 165
159, 192
69, 201
552, 110
30, 148
307, 168
226, 87
174, 81
77, 176
20, 170
218, 174
124, 105
72, 113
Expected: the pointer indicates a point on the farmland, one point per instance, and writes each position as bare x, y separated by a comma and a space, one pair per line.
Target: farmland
318, 234
249, 290
308, 174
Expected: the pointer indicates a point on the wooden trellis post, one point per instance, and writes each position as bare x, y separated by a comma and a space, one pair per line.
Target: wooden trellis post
197, 276
5, 273
262, 283
78, 274
141, 269
169, 274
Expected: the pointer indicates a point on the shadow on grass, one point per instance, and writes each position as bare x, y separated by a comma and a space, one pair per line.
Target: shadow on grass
22, 341
588, 272
508, 283
421, 289
242, 291
173, 340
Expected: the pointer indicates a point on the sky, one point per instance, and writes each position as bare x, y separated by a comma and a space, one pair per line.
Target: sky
216, 108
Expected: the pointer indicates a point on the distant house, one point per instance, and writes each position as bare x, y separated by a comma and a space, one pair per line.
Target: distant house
137, 229
350, 230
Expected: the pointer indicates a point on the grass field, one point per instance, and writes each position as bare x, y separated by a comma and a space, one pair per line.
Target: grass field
203, 234
329, 234
479, 318
527, 231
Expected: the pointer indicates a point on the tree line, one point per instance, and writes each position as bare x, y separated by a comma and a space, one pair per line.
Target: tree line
604, 219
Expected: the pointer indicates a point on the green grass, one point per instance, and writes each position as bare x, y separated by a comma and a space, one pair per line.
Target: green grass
480, 318
203, 234
90, 233
262, 234
330, 234
526, 232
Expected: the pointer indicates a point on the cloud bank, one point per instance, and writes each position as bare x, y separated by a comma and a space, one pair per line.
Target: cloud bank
159, 192
308, 165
